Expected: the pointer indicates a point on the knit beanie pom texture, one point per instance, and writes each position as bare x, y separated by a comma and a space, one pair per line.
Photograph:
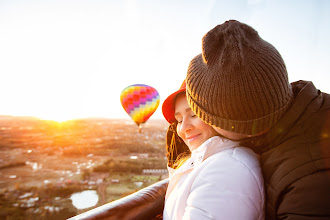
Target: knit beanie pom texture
239, 83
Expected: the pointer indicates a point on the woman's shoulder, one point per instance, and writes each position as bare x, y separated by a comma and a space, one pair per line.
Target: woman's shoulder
229, 168
237, 155
239, 162
226, 171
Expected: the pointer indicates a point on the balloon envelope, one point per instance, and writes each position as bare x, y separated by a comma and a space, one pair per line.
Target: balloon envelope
140, 102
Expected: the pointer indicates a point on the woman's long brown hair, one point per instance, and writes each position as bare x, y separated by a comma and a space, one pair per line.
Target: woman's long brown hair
177, 150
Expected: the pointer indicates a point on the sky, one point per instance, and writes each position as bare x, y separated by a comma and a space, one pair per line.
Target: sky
68, 59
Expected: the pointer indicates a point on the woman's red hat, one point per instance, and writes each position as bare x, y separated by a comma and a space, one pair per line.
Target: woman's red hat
168, 107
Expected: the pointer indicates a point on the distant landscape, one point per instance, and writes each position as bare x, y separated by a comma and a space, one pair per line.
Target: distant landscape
44, 164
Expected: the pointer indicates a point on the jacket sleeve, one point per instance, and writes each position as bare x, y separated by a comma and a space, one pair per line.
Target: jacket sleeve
226, 189
147, 203
307, 198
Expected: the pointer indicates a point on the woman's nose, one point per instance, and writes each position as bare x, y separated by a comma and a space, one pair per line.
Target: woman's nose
186, 125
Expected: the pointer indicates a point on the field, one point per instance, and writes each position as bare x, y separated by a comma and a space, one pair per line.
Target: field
42, 163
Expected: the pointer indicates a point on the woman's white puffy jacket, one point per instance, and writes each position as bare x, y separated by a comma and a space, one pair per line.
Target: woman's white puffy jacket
221, 180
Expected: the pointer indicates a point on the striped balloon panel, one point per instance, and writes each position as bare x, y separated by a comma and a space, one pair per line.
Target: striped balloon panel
140, 102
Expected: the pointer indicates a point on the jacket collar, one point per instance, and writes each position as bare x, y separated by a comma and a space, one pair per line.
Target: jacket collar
210, 147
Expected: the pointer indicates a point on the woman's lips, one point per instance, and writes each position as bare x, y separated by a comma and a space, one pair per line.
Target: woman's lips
192, 138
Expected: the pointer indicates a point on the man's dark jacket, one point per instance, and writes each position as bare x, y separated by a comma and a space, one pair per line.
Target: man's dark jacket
295, 160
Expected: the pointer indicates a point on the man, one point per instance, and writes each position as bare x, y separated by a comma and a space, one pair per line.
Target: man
239, 85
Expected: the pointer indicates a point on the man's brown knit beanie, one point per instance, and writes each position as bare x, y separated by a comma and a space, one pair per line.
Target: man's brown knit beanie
239, 83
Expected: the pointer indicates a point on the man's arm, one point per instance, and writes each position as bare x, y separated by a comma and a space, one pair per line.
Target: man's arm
307, 198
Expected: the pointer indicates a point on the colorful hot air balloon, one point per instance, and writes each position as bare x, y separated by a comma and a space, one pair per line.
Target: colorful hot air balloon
140, 102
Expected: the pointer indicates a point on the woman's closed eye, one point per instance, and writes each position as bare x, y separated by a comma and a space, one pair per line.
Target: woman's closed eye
180, 119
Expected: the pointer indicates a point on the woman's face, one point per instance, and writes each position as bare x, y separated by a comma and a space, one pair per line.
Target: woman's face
191, 129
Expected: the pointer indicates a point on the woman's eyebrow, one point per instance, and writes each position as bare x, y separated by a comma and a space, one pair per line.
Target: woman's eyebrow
188, 109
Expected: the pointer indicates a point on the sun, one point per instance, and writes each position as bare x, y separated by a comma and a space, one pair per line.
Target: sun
58, 117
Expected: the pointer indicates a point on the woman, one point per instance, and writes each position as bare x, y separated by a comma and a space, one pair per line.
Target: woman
218, 180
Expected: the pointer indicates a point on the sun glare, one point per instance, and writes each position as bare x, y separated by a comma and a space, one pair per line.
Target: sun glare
57, 118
